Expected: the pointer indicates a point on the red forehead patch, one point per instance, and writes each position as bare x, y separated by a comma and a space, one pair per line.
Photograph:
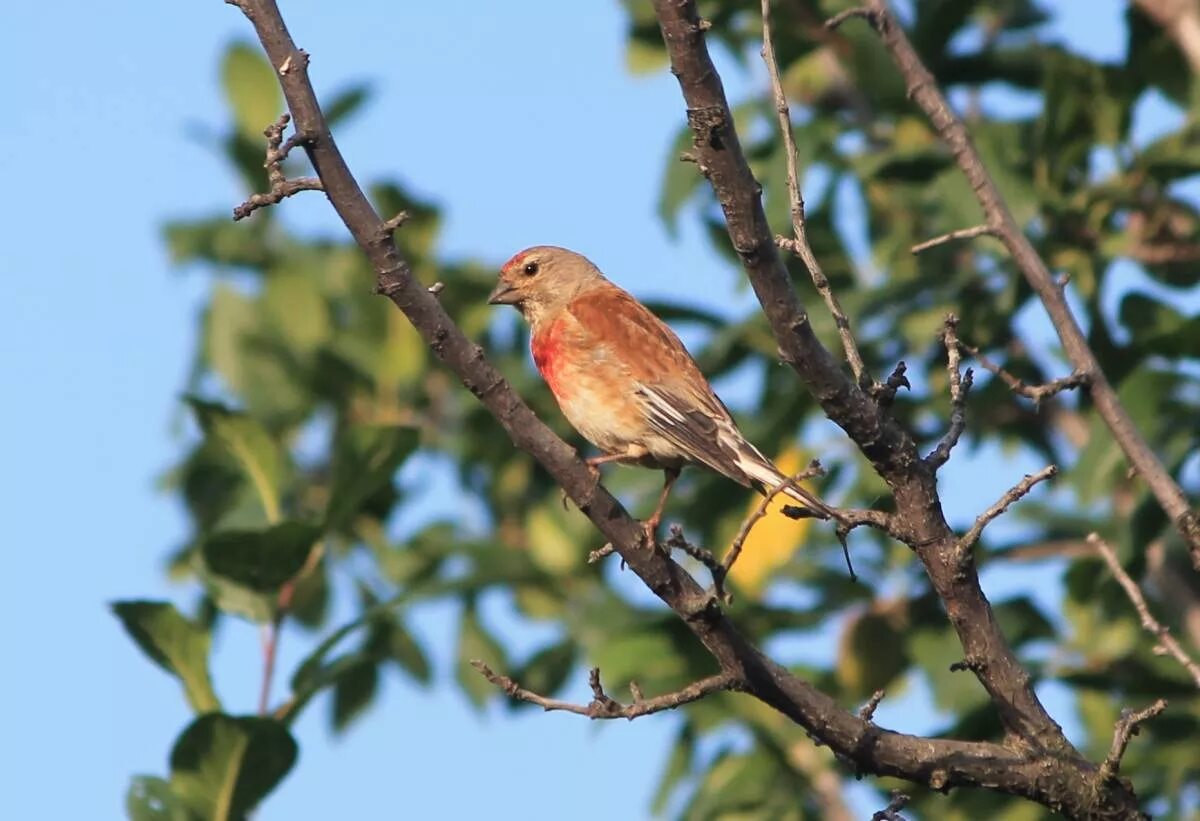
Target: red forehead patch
513, 260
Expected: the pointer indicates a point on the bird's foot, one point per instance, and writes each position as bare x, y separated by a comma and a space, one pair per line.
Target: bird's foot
650, 532
593, 466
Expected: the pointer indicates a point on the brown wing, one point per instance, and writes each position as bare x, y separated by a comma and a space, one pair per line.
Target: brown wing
676, 398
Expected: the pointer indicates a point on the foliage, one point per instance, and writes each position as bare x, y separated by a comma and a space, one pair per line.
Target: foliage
310, 393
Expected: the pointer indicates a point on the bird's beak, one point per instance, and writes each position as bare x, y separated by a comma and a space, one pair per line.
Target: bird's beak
503, 294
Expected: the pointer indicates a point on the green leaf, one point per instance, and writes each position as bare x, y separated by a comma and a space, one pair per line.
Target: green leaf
249, 443
367, 459
475, 642
252, 90
679, 764
150, 798
222, 766
402, 647
353, 691
260, 560
346, 102
174, 643
313, 673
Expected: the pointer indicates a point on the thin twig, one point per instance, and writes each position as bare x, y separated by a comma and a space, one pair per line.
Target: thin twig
1128, 725
1014, 493
1166, 643
1038, 393
271, 631
280, 186
799, 245
960, 387
603, 706
735, 547
678, 541
961, 233
833, 22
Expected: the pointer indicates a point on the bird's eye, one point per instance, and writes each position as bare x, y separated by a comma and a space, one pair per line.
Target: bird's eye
530, 268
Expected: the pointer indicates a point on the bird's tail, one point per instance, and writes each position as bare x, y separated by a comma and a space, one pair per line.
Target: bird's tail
767, 477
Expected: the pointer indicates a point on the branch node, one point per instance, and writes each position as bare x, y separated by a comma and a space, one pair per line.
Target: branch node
390, 226
885, 394
1128, 725
867, 711
436, 288
280, 186
973, 664
960, 387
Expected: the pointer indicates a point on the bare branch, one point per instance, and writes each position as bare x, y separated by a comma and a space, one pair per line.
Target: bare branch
960, 386
280, 186
1038, 393
1011, 496
1166, 643
799, 245
923, 90
1127, 727
961, 233
603, 706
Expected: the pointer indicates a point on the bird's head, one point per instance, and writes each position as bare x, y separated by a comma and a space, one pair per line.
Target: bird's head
542, 280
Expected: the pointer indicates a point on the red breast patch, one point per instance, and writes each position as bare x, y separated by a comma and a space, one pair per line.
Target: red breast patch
548, 349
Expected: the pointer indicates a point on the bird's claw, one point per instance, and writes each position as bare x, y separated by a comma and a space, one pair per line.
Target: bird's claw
650, 533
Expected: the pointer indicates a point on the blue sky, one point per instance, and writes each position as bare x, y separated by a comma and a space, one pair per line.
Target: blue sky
500, 112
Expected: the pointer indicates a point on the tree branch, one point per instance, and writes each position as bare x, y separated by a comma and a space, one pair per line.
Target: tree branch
800, 245
923, 90
1166, 643
603, 706
890, 448
1064, 779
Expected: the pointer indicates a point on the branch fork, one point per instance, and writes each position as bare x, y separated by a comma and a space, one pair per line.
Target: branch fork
280, 186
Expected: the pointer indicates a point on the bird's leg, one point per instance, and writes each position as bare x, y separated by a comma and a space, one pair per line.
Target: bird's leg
651, 524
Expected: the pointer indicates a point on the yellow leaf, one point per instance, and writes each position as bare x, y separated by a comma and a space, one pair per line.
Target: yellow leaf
774, 538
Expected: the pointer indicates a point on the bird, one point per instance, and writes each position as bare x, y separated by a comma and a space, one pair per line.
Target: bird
626, 382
